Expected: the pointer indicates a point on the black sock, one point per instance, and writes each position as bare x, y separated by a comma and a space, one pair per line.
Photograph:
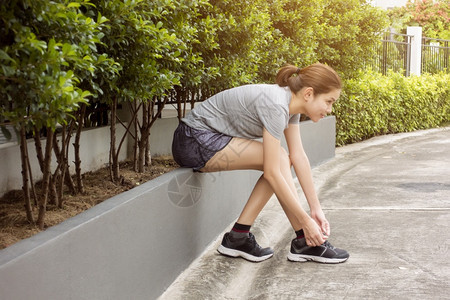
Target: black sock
300, 234
240, 230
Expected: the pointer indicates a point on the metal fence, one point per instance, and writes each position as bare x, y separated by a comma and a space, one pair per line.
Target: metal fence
435, 55
393, 52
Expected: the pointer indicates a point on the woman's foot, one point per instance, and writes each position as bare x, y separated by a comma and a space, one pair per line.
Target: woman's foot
324, 253
245, 247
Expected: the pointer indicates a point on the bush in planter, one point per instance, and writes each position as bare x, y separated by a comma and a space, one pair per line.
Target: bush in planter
373, 104
48, 60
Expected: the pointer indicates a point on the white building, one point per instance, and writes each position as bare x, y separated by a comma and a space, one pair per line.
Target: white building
388, 4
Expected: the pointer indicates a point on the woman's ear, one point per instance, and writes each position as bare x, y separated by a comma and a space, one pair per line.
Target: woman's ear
308, 94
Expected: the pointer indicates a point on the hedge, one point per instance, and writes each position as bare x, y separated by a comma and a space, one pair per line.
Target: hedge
372, 104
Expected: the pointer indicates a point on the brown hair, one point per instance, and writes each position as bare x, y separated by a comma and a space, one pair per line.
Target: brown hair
322, 78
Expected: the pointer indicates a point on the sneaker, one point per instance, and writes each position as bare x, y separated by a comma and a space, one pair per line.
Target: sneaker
324, 253
245, 247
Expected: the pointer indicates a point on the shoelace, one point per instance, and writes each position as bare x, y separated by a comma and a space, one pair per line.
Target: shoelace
328, 245
253, 241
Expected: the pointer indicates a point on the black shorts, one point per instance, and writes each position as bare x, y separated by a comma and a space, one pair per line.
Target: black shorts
193, 148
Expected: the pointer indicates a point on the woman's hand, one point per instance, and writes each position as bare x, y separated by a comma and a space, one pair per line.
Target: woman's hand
320, 219
313, 233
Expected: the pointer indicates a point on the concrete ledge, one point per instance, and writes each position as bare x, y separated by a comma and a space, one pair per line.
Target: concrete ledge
131, 246
134, 245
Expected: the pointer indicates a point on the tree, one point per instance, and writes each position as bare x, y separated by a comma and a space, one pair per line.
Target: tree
42, 68
138, 41
349, 34
432, 15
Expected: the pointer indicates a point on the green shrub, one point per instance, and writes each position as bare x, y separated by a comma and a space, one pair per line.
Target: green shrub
373, 104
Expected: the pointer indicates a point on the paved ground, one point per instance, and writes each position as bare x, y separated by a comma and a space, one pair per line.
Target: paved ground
388, 202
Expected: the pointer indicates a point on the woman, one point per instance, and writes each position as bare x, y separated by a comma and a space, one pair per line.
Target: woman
219, 134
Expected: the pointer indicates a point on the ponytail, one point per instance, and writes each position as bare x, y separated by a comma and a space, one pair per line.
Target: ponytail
322, 78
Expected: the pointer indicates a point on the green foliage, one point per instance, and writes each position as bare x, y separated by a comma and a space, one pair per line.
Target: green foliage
196, 35
143, 49
256, 38
242, 33
136, 38
55, 54
349, 34
373, 104
47, 50
432, 16
300, 26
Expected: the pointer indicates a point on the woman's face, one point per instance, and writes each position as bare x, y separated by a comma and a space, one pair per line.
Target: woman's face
320, 105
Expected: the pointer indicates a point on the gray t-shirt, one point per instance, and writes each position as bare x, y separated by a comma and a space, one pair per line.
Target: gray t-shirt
245, 111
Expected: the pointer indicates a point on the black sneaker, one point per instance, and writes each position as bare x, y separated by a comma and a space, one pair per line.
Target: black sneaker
324, 253
245, 247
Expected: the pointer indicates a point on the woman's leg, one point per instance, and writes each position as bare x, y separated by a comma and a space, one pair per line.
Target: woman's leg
258, 199
241, 154
244, 154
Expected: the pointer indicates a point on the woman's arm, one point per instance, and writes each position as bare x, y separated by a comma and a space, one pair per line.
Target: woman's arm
273, 174
302, 169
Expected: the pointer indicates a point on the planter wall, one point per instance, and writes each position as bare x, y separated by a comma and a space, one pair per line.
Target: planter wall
94, 155
134, 245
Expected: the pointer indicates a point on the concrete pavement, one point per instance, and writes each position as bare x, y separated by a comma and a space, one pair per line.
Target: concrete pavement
388, 202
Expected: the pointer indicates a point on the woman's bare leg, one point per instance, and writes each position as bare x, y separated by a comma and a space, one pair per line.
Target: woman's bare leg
261, 194
239, 154
258, 199
242, 154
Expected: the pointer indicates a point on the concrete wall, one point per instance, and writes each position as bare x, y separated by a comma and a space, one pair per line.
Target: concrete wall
161, 135
134, 245
319, 139
94, 155
130, 247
